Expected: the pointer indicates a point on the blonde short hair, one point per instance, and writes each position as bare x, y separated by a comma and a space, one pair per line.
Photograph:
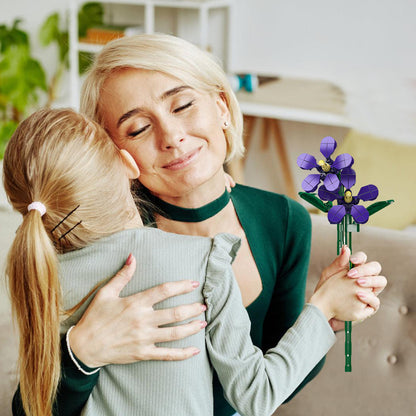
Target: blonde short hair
172, 56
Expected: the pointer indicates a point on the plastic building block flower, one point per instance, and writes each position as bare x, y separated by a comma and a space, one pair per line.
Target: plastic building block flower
347, 203
338, 178
328, 169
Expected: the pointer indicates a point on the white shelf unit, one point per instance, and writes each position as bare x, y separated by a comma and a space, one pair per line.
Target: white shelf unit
203, 8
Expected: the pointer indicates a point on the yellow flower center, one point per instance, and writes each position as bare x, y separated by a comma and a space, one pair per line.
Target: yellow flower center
348, 197
325, 166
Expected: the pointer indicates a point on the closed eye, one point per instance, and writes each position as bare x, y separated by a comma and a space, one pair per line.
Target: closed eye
139, 131
183, 107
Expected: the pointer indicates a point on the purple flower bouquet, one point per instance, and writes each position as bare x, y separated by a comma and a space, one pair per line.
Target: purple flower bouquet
334, 181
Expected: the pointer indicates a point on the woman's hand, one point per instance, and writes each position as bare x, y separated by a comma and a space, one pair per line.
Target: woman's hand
115, 330
366, 275
339, 296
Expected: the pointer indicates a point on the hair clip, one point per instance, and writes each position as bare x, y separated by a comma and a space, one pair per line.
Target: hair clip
59, 223
63, 235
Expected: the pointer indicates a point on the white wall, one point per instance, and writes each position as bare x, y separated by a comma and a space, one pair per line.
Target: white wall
365, 46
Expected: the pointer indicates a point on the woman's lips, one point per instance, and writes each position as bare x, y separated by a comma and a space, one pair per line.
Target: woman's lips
183, 161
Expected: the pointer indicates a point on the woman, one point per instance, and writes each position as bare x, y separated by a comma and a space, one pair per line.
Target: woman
170, 105
144, 90
83, 229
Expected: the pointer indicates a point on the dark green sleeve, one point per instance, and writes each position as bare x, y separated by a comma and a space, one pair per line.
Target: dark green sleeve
73, 392
289, 293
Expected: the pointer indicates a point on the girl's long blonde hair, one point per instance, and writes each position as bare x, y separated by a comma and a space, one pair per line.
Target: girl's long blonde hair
172, 56
64, 161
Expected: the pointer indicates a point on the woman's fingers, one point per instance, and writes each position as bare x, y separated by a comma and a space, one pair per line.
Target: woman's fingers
120, 330
177, 314
372, 268
173, 333
120, 280
358, 258
172, 354
369, 299
376, 283
340, 263
164, 291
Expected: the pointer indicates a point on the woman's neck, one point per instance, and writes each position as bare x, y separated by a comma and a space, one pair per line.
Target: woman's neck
218, 214
198, 196
225, 220
209, 228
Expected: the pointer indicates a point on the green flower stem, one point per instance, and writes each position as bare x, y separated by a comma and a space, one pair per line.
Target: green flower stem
344, 238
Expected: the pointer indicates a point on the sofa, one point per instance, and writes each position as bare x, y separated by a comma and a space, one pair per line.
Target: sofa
382, 381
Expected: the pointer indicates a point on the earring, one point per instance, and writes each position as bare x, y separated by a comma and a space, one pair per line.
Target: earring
226, 124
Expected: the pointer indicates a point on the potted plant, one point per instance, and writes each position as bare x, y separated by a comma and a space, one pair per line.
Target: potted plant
22, 77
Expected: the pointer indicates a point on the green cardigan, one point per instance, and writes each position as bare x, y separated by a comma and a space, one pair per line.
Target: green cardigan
278, 231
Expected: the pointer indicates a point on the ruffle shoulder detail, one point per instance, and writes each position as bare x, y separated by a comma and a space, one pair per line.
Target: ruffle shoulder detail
219, 272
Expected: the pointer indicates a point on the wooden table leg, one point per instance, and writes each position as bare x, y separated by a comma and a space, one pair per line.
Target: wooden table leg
270, 127
265, 136
249, 122
283, 158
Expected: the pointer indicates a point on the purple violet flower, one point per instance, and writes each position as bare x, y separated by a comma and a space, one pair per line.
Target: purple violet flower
327, 169
347, 203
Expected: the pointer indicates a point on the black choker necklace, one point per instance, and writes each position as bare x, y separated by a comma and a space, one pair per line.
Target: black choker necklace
176, 213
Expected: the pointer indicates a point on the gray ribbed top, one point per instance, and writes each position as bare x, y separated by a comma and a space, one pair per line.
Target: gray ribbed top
254, 384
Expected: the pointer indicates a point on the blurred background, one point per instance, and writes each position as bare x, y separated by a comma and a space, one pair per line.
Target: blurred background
302, 70
345, 69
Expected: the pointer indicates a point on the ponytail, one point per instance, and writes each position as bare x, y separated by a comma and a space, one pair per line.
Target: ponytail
36, 298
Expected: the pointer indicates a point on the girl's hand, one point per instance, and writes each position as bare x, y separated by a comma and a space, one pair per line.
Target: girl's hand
365, 274
115, 330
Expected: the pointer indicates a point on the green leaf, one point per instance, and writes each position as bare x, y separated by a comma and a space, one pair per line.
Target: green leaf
35, 75
12, 36
7, 128
49, 31
91, 14
63, 42
21, 77
377, 206
316, 202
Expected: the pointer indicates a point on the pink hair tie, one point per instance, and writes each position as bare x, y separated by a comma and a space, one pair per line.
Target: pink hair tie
38, 206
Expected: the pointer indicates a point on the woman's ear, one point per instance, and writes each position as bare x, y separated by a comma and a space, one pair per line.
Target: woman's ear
131, 165
222, 106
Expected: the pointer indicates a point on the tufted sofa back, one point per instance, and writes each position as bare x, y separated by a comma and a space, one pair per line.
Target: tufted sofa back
383, 377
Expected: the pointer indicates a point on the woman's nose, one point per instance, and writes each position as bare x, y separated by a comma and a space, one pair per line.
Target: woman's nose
173, 142
171, 135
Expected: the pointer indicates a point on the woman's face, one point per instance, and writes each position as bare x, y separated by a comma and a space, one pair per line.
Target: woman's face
174, 132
